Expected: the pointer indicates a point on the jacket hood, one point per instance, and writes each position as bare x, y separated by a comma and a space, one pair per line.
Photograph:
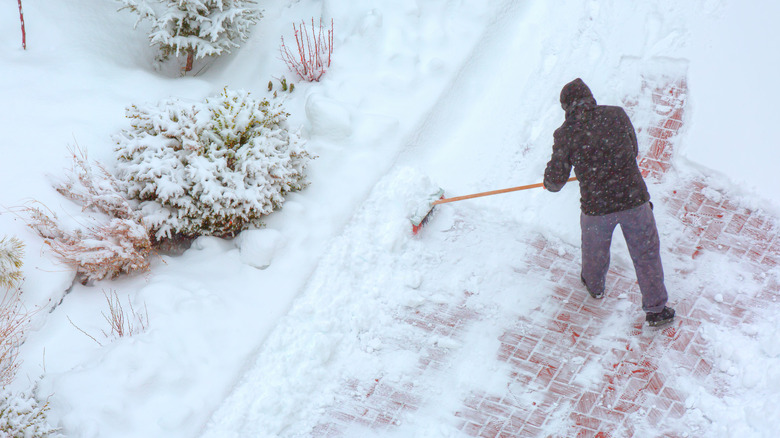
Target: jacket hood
576, 93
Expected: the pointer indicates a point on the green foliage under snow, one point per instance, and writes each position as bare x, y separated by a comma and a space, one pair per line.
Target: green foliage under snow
23, 416
11, 254
198, 28
212, 168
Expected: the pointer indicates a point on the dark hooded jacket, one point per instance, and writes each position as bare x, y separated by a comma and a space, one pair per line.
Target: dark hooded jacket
599, 141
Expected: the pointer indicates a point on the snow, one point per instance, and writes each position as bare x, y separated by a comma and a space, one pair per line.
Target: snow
257, 248
734, 101
251, 336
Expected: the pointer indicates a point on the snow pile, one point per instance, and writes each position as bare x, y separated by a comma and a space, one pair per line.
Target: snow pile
327, 118
349, 324
746, 371
259, 247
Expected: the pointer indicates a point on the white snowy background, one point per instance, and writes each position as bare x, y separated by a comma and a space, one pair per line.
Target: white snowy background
251, 336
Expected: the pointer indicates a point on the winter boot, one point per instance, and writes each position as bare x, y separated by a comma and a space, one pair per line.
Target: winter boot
596, 295
663, 317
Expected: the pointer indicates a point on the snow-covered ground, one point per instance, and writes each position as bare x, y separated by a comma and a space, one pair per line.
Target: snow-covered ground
251, 336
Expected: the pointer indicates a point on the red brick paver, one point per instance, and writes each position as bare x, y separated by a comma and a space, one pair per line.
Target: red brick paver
572, 373
379, 403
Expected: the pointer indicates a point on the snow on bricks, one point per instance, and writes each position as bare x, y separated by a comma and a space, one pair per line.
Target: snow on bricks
551, 353
381, 404
573, 373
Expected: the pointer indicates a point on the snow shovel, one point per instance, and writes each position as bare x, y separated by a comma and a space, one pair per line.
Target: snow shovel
420, 217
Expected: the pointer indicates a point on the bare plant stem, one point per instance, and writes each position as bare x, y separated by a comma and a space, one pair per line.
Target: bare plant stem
310, 63
13, 323
123, 323
24, 33
190, 60
82, 331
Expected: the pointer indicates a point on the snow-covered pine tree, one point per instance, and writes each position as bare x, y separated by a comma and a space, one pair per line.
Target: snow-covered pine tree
197, 28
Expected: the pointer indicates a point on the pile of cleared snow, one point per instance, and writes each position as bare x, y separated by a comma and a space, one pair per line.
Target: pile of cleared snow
258, 247
746, 375
340, 322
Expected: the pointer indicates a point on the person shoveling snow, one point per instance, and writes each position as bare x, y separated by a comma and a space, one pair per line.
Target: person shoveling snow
599, 141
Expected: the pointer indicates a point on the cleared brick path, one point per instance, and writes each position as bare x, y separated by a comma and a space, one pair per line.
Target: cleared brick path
550, 350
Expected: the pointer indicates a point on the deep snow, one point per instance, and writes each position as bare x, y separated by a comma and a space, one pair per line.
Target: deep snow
253, 335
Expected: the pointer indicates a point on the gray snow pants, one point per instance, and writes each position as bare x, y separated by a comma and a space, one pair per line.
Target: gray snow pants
641, 234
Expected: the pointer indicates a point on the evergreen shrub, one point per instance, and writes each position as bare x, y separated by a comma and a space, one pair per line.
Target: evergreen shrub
11, 254
210, 168
22, 415
197, 28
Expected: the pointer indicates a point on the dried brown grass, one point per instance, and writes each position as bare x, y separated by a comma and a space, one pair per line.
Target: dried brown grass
123, 322
13, 324
118, 244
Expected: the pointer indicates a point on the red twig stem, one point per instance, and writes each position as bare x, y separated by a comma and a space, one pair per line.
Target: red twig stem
24, 33
314, 51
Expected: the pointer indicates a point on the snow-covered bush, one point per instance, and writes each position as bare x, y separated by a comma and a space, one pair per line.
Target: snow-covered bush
12, 318
198, 28
116, 243
11, 254
23, 416
213, 168
13, 322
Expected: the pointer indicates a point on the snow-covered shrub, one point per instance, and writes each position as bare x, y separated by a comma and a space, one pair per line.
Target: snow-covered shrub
13, 322
116, 243
198, 28
314, 51
12, 318
23, 416
213, 168
11, 254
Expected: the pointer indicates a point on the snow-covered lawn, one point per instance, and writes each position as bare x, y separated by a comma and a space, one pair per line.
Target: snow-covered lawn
255, 333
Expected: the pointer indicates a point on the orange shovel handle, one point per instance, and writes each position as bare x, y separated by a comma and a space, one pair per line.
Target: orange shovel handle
493, 192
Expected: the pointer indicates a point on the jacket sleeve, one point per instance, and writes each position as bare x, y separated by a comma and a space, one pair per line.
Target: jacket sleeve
629, 127
559, 167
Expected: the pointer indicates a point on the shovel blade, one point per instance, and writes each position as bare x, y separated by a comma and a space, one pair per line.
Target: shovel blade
424, 210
